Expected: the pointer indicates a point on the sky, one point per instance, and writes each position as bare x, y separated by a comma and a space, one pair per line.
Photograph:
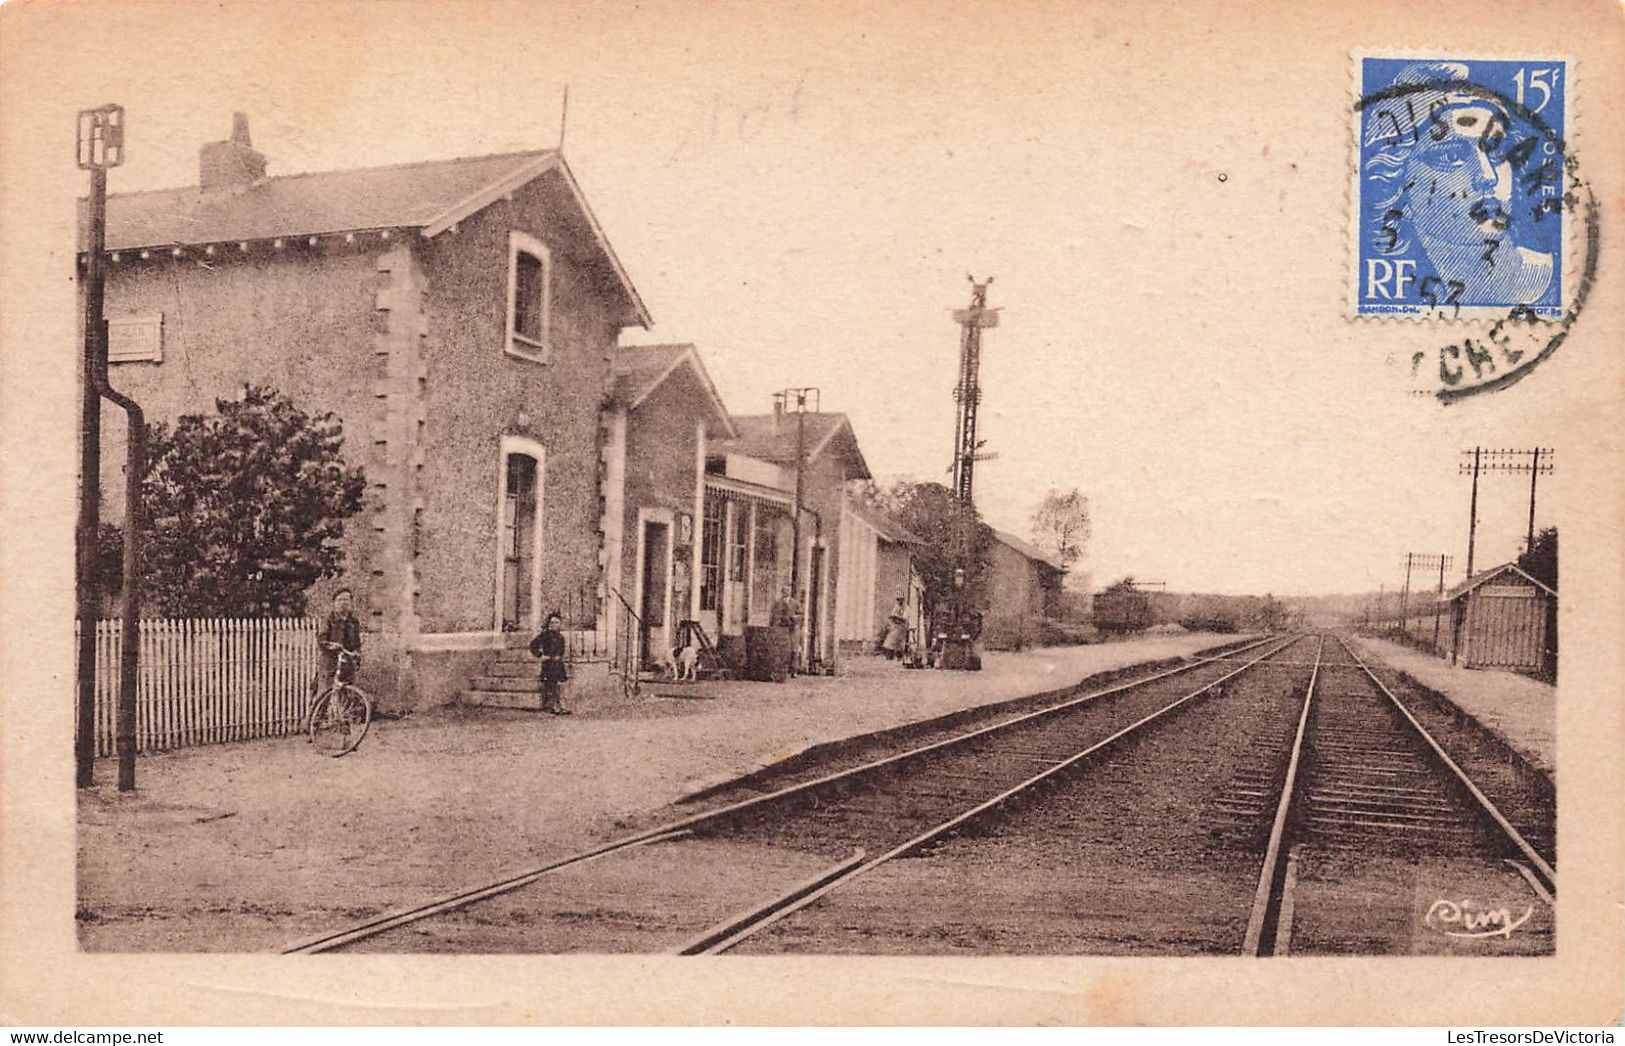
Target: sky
801, 191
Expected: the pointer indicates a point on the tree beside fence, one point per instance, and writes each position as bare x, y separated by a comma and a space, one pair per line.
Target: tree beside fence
208, 680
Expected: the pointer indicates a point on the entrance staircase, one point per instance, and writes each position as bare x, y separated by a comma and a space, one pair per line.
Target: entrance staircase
512, 679
601, 671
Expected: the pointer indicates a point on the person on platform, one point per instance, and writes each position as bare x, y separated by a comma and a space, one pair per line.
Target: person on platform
896, 639
785, 612
549, 646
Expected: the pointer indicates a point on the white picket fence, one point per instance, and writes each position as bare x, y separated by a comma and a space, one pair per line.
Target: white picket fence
207, 680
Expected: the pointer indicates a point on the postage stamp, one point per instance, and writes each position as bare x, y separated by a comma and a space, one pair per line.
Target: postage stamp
1459, 203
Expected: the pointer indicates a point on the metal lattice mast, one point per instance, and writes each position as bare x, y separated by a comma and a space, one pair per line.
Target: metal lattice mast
968, 393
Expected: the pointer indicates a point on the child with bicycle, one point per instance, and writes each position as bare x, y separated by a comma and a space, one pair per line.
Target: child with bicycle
340, 632
339, 712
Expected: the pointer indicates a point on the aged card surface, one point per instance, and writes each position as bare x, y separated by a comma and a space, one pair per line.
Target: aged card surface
569, 545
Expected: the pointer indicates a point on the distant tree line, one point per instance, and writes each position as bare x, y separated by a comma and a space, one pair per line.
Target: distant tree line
1123, 608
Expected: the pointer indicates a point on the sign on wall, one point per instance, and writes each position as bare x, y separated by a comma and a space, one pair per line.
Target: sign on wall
136, 339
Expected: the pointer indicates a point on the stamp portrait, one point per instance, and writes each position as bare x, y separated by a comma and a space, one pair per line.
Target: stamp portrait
1459, 187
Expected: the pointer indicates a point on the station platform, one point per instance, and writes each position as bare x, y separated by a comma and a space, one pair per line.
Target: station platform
1519, 710
245, 846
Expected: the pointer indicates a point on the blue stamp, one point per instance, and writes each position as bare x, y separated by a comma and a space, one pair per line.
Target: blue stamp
1460, 201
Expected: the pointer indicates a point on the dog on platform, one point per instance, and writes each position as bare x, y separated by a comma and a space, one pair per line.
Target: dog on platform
685, 662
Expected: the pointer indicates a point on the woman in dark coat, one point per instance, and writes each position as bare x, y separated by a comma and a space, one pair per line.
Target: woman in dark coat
549, 646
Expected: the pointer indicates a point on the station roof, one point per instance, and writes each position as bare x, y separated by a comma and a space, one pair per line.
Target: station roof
641, 369
884, 525
1032, 552
431, 197
772, 437
1483, 577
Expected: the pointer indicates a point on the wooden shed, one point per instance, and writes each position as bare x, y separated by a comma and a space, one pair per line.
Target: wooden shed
1500, 619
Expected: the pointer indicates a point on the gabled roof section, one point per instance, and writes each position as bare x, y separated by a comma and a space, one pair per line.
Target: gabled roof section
887, 527
641, 369
1483, 577
1031, 552
430, 196
772, 437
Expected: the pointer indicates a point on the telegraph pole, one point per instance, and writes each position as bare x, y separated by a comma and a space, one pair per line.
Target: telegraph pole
1438, 602
1405, 598
1425, 561
1472, 511
1535, 462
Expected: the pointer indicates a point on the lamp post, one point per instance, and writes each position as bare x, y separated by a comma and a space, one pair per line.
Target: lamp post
100, 147
802, 399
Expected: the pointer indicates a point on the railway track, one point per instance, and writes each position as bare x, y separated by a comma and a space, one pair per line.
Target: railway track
880, 806
1332, 822
1279, 799
1385, 843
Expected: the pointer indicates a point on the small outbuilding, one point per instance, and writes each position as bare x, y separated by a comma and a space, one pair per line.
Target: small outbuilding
1024, 590
1503, 618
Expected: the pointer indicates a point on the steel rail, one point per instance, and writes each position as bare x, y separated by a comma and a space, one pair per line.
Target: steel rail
715, 935
1271, 886
723, 938
1542, 869
393, 920
339, 938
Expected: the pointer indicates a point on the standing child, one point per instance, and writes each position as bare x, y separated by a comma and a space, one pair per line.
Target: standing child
549, 646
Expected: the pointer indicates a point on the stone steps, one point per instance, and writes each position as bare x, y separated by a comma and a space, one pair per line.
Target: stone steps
591, 685
528, 683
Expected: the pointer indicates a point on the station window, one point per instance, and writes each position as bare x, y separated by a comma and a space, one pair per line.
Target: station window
711, 553
530, 272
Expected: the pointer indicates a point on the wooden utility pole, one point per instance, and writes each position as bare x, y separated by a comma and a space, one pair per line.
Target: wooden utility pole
958, 646
1472, 511
1534, 474
1426, 561
1405, 597
1535, 462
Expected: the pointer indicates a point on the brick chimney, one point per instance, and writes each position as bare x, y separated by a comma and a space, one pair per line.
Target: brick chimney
232, 163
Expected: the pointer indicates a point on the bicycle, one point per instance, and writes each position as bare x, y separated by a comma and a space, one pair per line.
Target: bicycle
341, 714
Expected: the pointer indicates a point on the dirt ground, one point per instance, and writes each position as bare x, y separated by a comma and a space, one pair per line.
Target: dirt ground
251, 846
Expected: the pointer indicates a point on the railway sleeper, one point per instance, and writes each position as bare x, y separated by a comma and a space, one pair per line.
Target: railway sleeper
1388, 812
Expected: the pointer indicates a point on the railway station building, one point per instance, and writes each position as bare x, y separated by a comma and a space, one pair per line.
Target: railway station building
460, 318
662, 417
877, 569
749, 558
